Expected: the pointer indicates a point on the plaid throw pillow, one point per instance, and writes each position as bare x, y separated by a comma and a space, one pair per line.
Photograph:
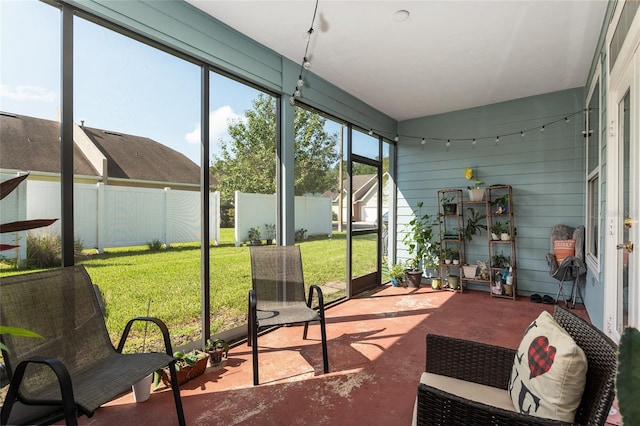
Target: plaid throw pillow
549, 372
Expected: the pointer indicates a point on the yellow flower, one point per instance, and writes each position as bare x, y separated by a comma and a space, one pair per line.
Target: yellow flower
468, 173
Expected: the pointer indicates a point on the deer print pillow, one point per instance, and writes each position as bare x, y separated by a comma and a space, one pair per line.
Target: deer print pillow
549, 372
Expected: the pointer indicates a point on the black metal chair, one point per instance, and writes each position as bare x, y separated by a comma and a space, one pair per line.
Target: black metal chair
491, 366
572, 268
74, 369
278, 297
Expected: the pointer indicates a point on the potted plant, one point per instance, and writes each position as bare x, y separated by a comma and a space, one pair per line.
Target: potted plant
217, 349
269, 233
500, 261
188, 366
499, 228
447, 254
396, 274
501, 204
418, 239
475, 192
255, 237
455, 256
449, 207
473, 226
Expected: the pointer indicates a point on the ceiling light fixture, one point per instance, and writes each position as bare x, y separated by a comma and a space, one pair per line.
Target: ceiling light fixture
400, 15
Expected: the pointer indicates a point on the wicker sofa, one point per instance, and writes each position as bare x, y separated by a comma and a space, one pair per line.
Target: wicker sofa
478, 363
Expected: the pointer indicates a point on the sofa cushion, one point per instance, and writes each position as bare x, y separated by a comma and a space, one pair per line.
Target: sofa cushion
549, 372
483, 394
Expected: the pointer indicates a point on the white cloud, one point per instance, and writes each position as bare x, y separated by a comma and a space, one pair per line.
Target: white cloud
27, 93
218, 124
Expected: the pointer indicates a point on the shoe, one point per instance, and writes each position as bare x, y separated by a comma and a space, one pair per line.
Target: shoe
536, 298
548, 300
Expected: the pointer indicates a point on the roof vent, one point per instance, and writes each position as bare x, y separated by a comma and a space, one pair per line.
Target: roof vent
111, 133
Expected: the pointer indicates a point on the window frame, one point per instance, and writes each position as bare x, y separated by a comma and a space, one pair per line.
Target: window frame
593, 178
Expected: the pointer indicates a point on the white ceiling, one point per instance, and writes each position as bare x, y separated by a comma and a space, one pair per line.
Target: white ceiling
448, 55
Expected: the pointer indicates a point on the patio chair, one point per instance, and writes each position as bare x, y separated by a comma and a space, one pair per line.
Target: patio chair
74, 368
278, 297
566, 259
491, 366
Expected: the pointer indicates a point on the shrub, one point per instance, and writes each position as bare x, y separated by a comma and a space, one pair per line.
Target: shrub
300, 234
45, 250
156, 245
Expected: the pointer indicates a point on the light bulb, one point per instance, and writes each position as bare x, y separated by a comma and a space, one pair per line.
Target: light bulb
300, 82
306, 64
448, 143
542, 129
566, 119
292, 100
370, 132
497, 140
474, 141
522, 134
423, 141
397, 138
297, 93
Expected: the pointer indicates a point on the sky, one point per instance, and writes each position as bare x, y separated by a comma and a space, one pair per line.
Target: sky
120, 84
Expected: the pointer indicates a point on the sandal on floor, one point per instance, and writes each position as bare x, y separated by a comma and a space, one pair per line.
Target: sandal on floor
548, 300
536, 298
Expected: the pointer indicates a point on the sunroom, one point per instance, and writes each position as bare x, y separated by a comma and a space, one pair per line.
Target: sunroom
553, 114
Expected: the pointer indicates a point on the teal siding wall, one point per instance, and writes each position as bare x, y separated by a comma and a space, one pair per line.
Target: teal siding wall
546, 170
181, 26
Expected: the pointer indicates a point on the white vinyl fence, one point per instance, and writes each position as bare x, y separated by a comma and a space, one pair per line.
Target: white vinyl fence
111, 216
257, 210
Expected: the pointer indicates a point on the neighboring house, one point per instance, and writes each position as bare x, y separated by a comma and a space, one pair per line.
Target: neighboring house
33, 145
365, 198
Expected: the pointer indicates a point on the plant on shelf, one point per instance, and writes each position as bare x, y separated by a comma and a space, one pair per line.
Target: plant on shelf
501, 204
475, 192
500, 261
449, 207
419, 241
473, 226
499, 228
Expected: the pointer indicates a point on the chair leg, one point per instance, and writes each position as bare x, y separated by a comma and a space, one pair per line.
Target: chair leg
254, 350
325, 356
304, 333
176, 393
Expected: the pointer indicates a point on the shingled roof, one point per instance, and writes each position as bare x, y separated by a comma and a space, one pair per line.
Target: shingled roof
32, 144
141, 158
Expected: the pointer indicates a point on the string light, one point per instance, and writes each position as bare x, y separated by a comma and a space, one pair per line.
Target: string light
370, 132
496, 139
306, 63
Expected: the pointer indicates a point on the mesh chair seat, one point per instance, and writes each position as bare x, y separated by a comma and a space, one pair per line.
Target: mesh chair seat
278, 297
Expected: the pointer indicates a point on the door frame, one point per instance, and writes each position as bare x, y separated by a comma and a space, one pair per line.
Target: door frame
625, 76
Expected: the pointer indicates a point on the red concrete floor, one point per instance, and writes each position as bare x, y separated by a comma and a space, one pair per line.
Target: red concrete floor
376, 346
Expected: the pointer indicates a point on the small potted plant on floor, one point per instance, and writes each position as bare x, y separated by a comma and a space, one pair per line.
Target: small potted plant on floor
217, 349
269, 233
396, 274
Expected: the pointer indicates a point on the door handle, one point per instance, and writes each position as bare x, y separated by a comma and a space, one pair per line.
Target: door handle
627, 246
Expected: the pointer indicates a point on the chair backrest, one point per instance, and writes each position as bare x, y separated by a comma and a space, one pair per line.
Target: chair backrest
276, 274
601, 353
60, 305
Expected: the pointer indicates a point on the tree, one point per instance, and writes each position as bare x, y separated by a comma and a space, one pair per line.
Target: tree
247, 162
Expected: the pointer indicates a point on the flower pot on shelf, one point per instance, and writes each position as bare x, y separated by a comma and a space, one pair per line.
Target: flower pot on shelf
508, 289
505, 237
450, 208
476, 194
469, 271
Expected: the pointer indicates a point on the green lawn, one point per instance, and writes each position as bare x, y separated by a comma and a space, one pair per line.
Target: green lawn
130, 278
